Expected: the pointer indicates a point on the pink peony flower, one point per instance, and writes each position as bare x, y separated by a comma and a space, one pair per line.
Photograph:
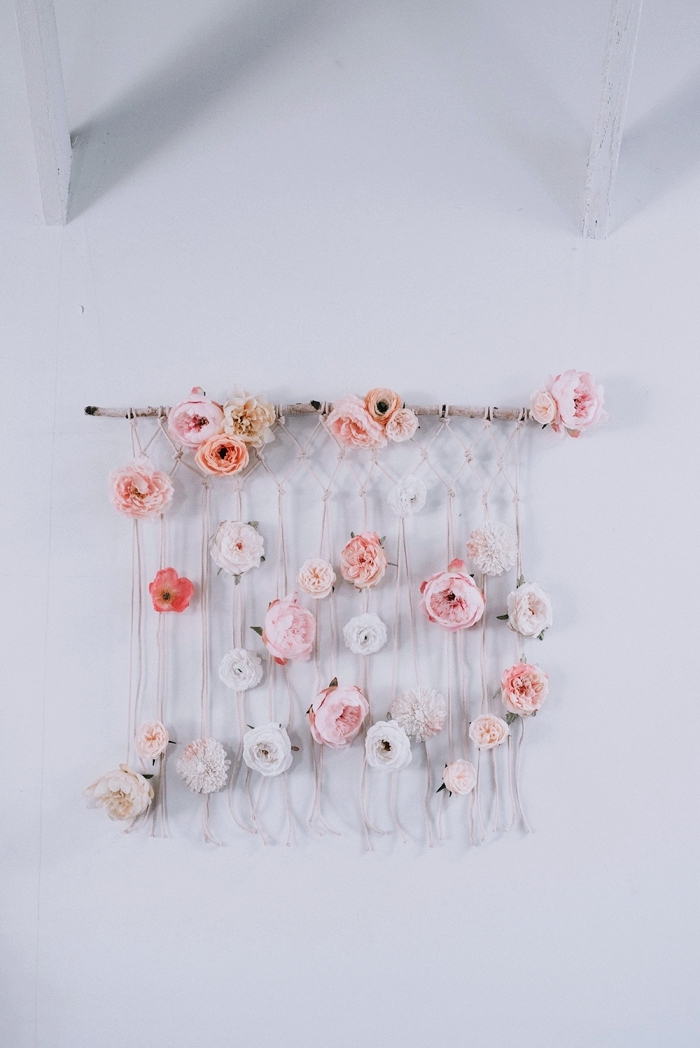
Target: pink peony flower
524, 688
363, 561
289, 631
194, 420
336, 715
579, 402
170, 591
139, 489
451, 598
352, 425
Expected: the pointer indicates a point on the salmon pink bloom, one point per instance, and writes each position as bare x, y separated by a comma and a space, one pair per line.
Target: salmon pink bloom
169, 591
452, 599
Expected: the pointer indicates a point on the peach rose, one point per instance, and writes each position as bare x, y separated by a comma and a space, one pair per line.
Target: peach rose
352, 425
459, 777
336, 715
289, 631
579, 402
151, 740
363, 561
316, 577
222, 455
524, 688
488, 731
451, 598
139, 489
402, 425
249, 418
381, 404
543, 407
194, 420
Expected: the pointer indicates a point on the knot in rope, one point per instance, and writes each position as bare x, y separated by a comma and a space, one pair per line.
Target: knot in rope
280, 417
326, 495
451, 493
468, 455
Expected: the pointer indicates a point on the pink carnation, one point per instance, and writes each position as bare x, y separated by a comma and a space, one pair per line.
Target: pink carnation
363, 561
289, 631
337, 714
194, 420
352, 425
579, 402
524, 688
139, 489
451, 598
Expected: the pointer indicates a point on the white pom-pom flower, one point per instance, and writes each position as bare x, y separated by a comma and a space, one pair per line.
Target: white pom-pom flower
240, 669
365, 634
492, 548
407, 496
267, 749
204, 766
420, 712
387, 746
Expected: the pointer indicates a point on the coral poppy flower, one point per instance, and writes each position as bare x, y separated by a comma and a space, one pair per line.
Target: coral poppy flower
169, 591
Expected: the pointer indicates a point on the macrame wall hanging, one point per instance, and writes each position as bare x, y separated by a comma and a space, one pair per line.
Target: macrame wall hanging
331, 602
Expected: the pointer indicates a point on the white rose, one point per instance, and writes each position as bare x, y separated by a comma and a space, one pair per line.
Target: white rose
387, 746
123, 792
267, 749
459, 777
316, 577
408, 496
237, 547
543, 407
365, 634
529, 610
151, 740
241, 670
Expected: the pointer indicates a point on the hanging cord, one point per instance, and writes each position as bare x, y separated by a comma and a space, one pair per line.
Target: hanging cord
160, 806
394, 674
205, 696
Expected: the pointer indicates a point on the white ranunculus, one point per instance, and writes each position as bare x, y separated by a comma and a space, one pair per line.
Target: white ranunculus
237, 547
316, 577
529, 610
240, 669
365, 634
267, 749
123, 792
408, 496
492, 548
387, 746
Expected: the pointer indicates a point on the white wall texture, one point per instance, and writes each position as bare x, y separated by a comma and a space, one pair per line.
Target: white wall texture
316, 198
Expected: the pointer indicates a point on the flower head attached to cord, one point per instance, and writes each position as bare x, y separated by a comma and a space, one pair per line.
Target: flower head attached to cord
139, 489
123, 793
170, 591
289, 630
570, 403
363, 560
204, 766
336, 715
194, 420
451, 598
421, 712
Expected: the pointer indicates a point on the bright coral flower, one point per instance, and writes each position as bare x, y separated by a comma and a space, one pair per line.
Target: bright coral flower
169, 591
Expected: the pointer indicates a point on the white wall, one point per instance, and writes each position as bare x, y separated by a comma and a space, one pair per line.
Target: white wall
363, 193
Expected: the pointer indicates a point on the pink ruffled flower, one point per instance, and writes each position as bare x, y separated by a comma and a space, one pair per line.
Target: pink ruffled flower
352, 425
579, 402
402, 425
139, 489
151, 740
524, 688
194, 420
363, 561
336, 715
451, 598
289, 631
170, 591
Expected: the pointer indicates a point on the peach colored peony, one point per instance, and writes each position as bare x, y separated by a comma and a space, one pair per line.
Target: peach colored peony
139, 489
543, 407
194, 420
336, 715
222, 455
123, 792
249, 418
402, 425
316, 577
170, 591
524, 688
289, 631
363, 561
452, 599
352, 425
151, 740
579, 402
381, 404
488, 731
459, 777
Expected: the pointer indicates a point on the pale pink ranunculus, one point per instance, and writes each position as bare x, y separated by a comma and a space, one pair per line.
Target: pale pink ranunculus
488, 731
139, 489
352, 425
336, 715
194, 420
579, 402
451, 598
289, 630
524, 688
402, 425
151, 740
363, 561
543, 407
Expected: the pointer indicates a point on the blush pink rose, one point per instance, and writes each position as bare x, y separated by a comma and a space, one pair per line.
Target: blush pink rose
363, 561
139, 489
336, 715
289, 630
194, 420
352, 425
451, 598
524, 688
579, 402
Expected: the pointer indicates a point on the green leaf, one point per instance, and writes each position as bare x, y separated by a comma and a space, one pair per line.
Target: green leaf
382, 540
316, 404
521, 581
146, 776
257, 629
540, 636
352, 534
333, 683
510, 717
254, 524
502, 617
237, 579
497, 694
443, 787
262, 559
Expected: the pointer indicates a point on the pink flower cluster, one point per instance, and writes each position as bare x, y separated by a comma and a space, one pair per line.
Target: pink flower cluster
369, 423
570, 403
221, 434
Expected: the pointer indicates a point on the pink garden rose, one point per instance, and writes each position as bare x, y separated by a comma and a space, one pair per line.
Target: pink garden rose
524, 688
363, 561
336, 715
289, 631
451, 598
139, 489
579, 402
194, 420
352, 425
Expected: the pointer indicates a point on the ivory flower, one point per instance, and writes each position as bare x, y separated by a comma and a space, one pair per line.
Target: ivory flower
237, 547
352, 425
488, 731
407, 496
492, 548
122, 792
451, 598
249, 418
363, 560
193, 420
579, 402
170, 591
402, 425
365, 634
151, 740
222, 455
459, 777
387, 746
267, 749
381, 404
543, 407
524, 688
289, 630
240, 670
139, 489
203, 766
421, 712
336, 715
529, 610
316, 577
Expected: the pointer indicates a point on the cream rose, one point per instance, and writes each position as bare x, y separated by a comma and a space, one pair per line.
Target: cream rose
488, 731
151, 740
249, 418
237, 547
387, 746
543, 407
459, 777
316, 577
240, 670
267, 749
122, 792
402, 425
365, 634
529, 610
407, 496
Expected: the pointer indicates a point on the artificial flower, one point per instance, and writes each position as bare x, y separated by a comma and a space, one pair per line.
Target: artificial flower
289, 630
402, 425
524, 688
151, 740
488, 731
365, 634
222, 455
381, 404
170, 591
204, 766
459, 777
249, 418
336, 715
139, 489
387, 746
407, 496
194, 420
241, 670
451, 598
123, 792
237, 547
352, 425
543, 407
579, 402
421, 712
529, 610
267, 749
316, 577
492, 548
363, 560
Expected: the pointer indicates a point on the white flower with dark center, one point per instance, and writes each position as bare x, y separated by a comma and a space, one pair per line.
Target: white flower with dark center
387, 746
240, 669
421, 713
408, 496
492, 548
237, 547
123, 792
365, 634
204, 766
267, 749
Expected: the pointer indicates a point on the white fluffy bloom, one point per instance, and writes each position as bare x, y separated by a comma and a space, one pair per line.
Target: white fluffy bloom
529, 610
237, 547
123, 792
204, 766
240, 669
316, 577
267, 749
408, 496
387, 746
421, 712
492, 548
365, 634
